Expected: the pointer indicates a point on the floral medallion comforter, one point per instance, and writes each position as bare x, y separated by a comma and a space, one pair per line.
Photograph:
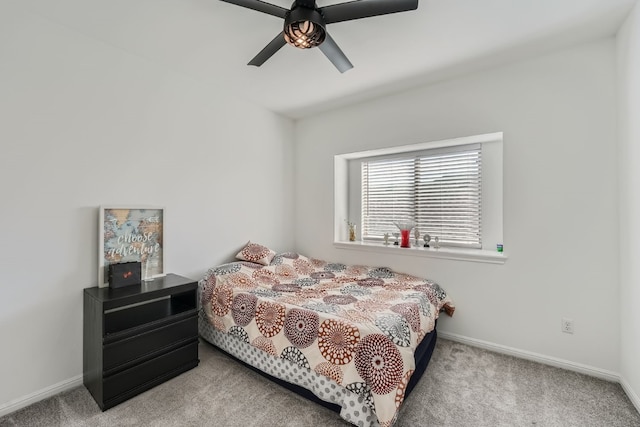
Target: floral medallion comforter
357, 325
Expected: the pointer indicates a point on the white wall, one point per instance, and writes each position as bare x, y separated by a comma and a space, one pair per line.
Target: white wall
84, 124
629, 136
560, 200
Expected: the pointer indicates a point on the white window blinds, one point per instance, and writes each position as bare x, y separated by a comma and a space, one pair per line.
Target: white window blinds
440, 190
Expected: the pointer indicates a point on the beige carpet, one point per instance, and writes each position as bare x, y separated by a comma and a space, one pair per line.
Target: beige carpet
463, 386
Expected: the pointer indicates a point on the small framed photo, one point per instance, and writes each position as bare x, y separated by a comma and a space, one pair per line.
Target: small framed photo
129, 234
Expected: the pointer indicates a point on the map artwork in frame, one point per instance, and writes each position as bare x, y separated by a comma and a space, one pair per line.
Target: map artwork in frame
131, 234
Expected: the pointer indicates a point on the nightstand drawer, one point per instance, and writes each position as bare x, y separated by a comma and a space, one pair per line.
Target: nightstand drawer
128, 350
145, 375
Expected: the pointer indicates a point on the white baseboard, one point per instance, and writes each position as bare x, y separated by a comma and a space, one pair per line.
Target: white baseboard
633, 397
535, 357
39, 395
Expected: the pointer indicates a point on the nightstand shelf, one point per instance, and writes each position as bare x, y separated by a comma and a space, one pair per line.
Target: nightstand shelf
124, 322
138, 337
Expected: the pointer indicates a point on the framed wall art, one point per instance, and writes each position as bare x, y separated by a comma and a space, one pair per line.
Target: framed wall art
131, 234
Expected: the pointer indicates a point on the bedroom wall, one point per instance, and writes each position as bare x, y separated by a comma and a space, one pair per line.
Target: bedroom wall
557, 113
628, 44
85, 124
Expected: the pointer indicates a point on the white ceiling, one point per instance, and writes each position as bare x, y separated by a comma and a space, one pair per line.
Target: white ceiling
212, 41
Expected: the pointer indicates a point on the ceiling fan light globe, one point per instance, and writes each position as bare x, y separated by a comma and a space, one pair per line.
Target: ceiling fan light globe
304, 28
304, 34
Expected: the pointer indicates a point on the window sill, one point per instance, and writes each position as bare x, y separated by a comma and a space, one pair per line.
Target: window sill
473, 255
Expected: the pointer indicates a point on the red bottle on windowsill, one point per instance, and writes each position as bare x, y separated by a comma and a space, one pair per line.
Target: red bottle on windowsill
405, 238
405, 227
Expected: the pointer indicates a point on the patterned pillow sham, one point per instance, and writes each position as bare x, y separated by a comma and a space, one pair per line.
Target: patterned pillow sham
287, 258
254, 252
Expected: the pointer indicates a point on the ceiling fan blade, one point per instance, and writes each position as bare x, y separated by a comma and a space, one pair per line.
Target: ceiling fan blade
335, 54
365, 8
260, 6
269, 50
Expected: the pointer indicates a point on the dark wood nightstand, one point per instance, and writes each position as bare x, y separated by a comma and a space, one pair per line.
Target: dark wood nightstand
138, 336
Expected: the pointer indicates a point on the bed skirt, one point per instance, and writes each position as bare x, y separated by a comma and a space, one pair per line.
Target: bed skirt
351, 406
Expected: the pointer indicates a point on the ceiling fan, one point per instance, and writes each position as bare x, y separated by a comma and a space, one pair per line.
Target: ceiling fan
305, 24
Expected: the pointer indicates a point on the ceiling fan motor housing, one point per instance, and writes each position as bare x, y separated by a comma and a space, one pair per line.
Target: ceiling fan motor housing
304, 27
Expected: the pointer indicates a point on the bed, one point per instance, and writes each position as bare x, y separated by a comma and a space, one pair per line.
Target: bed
354, 338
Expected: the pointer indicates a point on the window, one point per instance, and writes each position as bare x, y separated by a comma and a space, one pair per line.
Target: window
451, 188
439, 189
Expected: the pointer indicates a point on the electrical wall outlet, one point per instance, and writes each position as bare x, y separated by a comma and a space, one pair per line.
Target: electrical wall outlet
567, 325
